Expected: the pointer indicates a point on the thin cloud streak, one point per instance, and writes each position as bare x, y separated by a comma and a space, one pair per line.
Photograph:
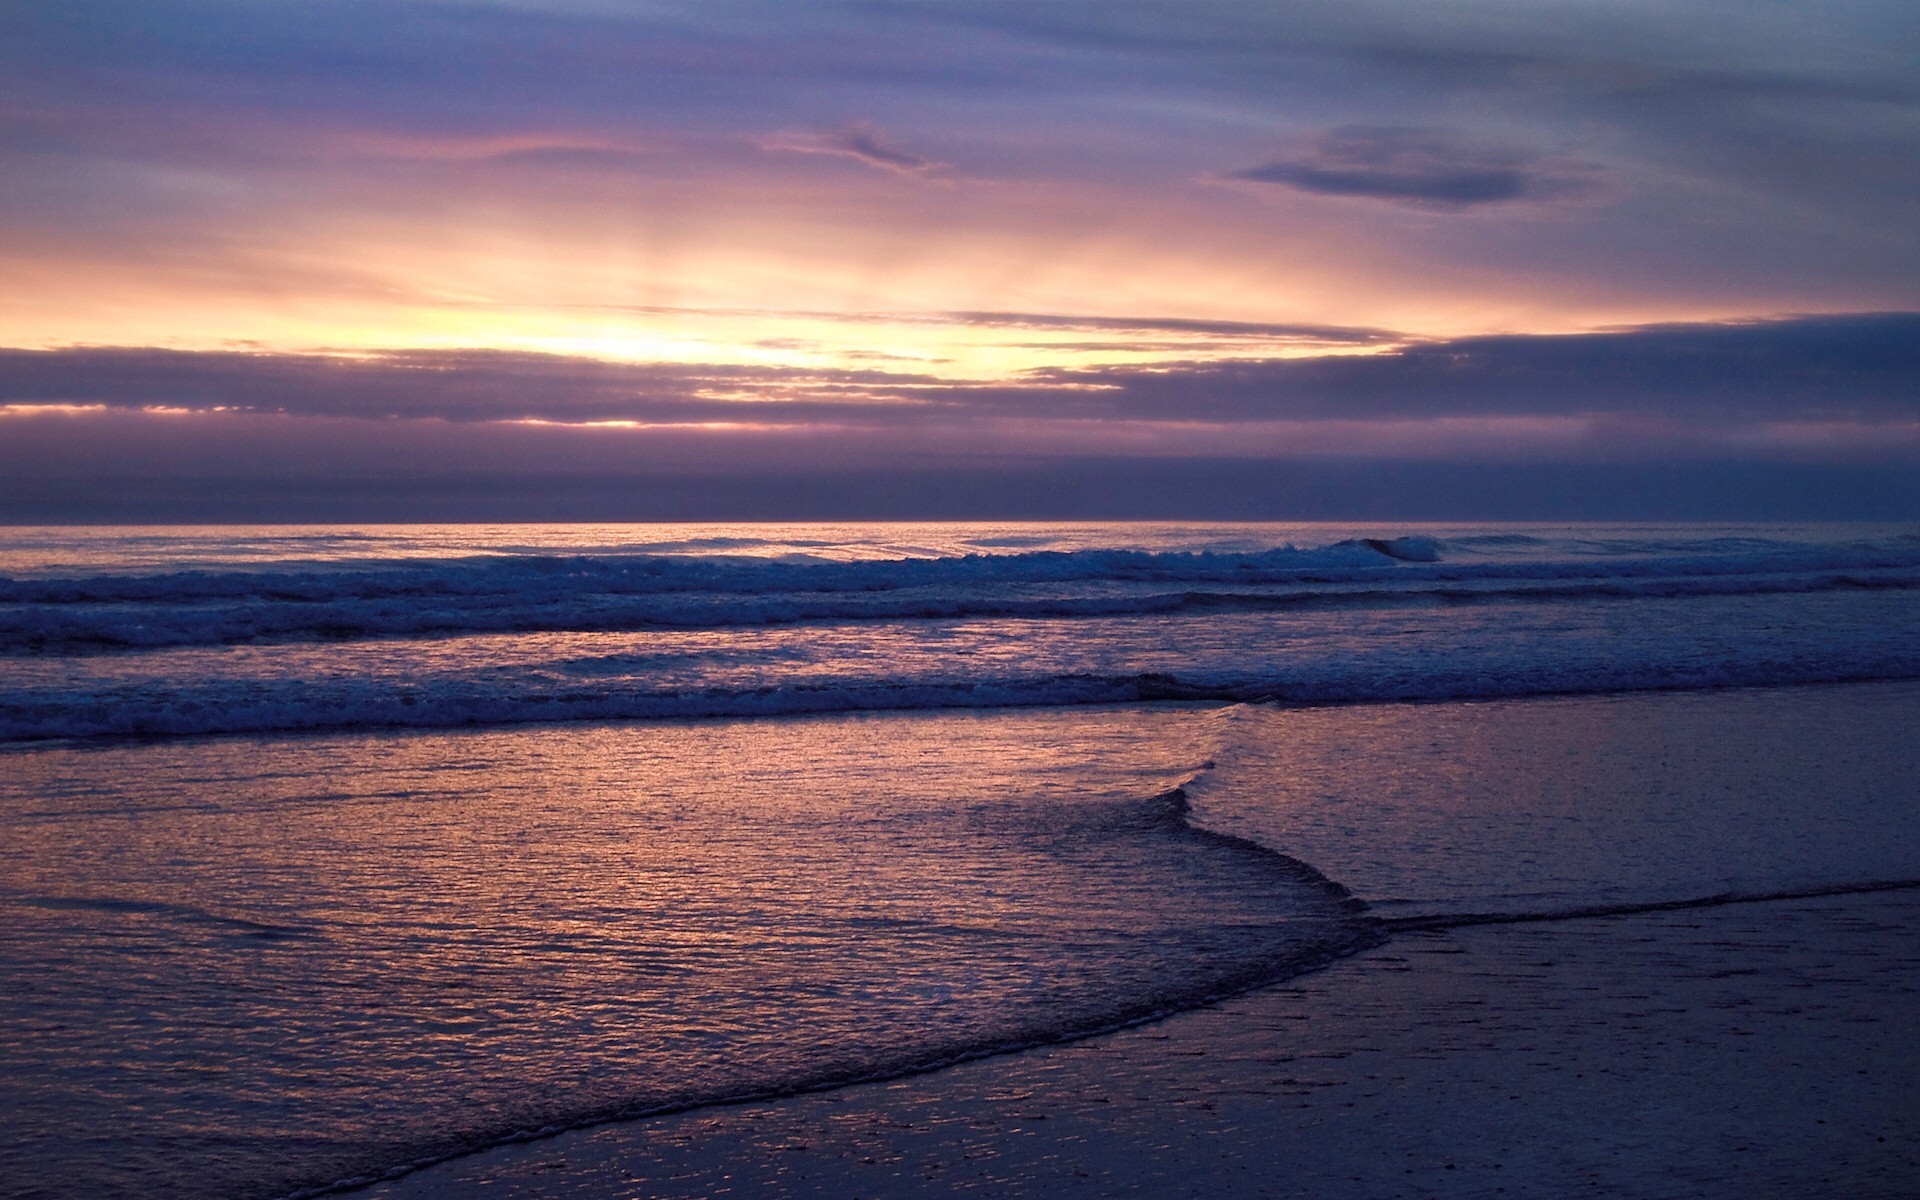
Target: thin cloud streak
1422, 168
1331, 334
863, 143
1263, 331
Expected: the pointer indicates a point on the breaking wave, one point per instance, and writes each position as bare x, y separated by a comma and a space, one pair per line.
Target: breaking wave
527, 593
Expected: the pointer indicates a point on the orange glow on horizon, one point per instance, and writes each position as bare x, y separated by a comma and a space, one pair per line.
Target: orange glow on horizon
861, 272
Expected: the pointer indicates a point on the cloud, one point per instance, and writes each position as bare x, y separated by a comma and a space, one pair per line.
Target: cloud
1254, 330
1082, 488
1768, 171
448, 385
863, 143
1857, 366
1660, 385
1258, 331
1421, 168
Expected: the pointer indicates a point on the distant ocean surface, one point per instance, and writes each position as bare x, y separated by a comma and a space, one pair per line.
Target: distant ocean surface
326, 852
164, 632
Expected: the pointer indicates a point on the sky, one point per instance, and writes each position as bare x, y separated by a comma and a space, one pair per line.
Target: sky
590, 259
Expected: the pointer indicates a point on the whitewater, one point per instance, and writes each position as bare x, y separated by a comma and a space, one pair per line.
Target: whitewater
158, 632
329, 853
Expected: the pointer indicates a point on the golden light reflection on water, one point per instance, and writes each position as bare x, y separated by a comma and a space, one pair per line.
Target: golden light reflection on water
30, 551
384, 945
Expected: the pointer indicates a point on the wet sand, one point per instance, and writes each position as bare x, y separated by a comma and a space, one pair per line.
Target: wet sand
1752, 1050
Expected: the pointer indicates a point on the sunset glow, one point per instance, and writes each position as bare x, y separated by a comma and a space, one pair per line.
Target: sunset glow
1049, 599
1008, 233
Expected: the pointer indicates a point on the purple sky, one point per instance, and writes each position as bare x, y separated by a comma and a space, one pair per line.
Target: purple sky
360, 247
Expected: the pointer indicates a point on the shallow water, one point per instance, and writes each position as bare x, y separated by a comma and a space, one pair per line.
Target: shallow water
262, 965
1540, 806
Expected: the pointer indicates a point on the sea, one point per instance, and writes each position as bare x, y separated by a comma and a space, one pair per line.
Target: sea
327, 853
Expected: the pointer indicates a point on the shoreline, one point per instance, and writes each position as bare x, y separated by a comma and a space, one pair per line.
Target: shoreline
1198, 700
1640, 817
1757, 1048
1628, 754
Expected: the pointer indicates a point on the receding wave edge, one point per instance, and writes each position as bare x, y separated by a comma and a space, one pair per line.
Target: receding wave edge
1347, 931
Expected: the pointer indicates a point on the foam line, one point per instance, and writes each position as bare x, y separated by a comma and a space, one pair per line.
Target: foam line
110, 628
1164, 813
1443, 921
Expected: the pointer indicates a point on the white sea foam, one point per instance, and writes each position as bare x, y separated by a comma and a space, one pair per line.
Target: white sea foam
525, 593
430, 639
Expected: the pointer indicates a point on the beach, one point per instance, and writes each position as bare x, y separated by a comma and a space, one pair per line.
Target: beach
1735, 1046
1193, 859
1749, 1050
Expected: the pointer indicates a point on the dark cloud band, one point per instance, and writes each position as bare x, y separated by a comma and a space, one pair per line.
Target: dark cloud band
1829, 368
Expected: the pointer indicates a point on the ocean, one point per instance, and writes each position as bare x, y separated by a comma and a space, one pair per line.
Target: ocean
330, 852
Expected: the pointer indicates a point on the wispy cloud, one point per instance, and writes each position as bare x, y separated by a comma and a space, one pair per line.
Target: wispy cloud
446, 385
863, 143
1256, 330
1262, 331
1422, 168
